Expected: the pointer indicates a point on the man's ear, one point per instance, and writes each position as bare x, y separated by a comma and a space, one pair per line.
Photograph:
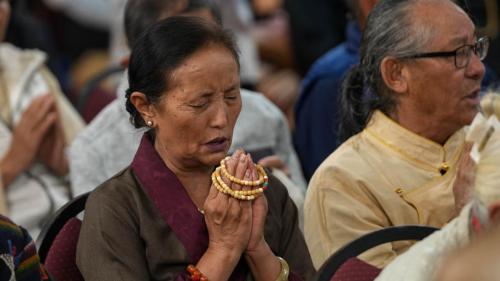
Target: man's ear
143, 106
394, 75
494, 209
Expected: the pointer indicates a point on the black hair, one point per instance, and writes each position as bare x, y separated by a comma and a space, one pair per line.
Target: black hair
141, 14
162, 48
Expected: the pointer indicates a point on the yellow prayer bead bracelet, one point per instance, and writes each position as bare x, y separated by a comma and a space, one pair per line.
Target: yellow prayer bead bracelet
237, 194
221, 182
262, 175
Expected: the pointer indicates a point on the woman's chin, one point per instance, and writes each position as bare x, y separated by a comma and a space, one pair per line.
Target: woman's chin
215, 158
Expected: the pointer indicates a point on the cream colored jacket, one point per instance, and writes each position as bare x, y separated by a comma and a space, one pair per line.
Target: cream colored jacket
381, 177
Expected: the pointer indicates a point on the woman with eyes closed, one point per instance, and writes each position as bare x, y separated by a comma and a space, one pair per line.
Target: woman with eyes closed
183, 209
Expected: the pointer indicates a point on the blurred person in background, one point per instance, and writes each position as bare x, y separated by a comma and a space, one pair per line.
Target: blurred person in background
263, 32
476, 262
317, 108
37, 124
313, 38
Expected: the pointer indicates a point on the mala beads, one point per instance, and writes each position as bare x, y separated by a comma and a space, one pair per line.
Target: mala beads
258, 186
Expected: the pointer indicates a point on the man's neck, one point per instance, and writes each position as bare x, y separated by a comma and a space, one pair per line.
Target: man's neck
423, 125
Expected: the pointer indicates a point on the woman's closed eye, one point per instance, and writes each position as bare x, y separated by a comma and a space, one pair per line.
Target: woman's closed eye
201, 102
231, 96
198, 105
232, 93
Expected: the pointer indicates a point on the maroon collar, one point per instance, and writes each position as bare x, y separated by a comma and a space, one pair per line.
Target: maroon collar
176, 208
170, 198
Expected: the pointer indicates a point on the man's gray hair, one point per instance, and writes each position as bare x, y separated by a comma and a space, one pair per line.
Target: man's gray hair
392, 29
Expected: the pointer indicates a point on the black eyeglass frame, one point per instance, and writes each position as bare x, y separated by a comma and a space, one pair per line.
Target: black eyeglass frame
473, 47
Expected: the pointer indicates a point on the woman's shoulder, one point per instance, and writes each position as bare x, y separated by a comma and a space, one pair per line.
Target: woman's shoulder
120, 188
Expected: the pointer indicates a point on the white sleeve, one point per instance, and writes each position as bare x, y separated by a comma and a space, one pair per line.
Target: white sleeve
422, 260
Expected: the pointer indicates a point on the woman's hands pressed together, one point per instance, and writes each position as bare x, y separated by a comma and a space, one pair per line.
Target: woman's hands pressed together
236, 228
229, 220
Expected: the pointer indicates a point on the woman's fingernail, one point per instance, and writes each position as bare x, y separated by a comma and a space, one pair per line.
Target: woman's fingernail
242, 158
247, 174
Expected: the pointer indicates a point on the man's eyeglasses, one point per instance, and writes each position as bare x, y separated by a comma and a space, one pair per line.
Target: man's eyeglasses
462, 54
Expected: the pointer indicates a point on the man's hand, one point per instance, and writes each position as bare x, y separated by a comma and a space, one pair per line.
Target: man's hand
274, 162
463, 187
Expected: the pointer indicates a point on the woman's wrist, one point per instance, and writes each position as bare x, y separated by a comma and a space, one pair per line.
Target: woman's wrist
263, 263
210, 263
224, 252
260, 250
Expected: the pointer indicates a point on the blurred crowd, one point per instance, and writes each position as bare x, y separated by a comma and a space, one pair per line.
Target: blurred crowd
65, 128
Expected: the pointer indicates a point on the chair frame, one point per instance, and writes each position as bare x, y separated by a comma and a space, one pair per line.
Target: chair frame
93, 83
56, 222
368, 241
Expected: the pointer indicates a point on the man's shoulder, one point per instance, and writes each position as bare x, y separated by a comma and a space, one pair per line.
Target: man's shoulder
346, 159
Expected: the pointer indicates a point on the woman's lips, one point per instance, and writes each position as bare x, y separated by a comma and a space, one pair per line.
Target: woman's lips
217, 144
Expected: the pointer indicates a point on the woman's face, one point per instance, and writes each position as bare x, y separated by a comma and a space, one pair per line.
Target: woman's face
194, 119
4, 17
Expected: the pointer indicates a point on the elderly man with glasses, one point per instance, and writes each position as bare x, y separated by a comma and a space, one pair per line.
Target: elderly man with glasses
405, 159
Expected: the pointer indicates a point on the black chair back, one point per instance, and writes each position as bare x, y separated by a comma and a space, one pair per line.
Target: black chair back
56, 222
93, 83
368, 241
